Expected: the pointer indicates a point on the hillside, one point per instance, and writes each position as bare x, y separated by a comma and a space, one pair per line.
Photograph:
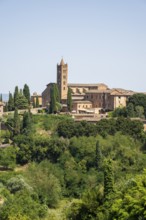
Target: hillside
62, 170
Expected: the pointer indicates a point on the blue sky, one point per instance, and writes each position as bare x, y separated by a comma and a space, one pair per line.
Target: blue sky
101, 40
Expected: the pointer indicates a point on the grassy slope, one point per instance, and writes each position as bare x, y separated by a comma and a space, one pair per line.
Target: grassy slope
48, 122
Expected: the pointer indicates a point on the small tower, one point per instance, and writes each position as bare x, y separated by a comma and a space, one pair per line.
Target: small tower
62, 80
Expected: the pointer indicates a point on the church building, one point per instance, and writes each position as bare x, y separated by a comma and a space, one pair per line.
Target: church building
86, 97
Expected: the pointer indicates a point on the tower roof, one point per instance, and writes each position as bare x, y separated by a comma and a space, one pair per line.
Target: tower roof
62, 62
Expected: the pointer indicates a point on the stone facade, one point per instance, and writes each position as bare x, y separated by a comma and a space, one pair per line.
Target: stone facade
108, 99
83, 88
62, 80
46, 95
118, 98
82, 106
98, 98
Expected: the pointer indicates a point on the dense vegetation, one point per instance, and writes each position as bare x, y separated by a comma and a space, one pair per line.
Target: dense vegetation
20, 99
57, 169
136, 107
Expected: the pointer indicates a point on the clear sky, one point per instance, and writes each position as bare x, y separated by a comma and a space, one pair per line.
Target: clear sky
101, 40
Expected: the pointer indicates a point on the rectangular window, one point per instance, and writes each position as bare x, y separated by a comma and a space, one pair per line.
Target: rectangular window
63, 88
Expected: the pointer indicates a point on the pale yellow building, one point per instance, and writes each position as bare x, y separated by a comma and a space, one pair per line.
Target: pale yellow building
82, 106
34, 98
118, 98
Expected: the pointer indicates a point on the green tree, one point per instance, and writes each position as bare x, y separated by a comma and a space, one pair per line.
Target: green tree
26, 147
21, 92
130, 203
57, 95
8, 157
16, 122
27, 123
26, 93
10, 102
120, 112
21, 102
1, 98
45, 183
84, 149
130, 110
99, 157
133, 128
55, 105
138, 99
69, 100
37, 102
16, 94
87, 208
17, 183
108, 178
22, 206
6, 107
53, 108
139, 110
105, 127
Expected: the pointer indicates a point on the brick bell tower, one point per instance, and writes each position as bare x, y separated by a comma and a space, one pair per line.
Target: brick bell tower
62, 80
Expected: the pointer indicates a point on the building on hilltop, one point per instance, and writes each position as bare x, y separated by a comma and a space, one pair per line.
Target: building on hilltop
86, 96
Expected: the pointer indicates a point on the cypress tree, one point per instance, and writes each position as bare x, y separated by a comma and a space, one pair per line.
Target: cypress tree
1, 98
21, 92
57, 95
53, 108
99, 156
34, 103
6, 107
69, 100
16, 94
26, 92
16, 122
10, 102
108, 178
21, 102
37, 102
27, 123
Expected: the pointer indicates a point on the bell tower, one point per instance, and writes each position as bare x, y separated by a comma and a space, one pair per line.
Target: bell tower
62, 80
